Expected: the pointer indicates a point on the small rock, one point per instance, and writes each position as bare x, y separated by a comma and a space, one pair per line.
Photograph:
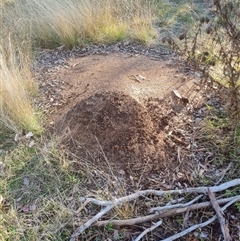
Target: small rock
33, 207
19, 199
2, 167
198, 88
203, 235
31, 144
29, 135
122, 172
198, 119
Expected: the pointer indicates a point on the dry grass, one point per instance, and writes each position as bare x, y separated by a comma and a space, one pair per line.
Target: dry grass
51, 23
28, 25
17, 87
38, 189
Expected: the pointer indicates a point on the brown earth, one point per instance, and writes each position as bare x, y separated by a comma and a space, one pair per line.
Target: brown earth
120, 112
133, 117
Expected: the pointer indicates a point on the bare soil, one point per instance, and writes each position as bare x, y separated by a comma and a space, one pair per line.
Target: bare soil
133, 114
122, 112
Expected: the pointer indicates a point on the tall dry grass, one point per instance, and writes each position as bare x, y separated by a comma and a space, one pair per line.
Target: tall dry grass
77, 22
30, 24
17, 88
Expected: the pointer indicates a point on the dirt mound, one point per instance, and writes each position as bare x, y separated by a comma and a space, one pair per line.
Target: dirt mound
115, 126
121, 112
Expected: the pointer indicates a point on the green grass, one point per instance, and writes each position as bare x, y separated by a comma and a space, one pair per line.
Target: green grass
175, 15
35, 191
221, 138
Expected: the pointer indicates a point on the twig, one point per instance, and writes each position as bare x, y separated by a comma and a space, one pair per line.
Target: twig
148, 230
224, 173
186, 218
138, 78
201, 225
157, 216
81, 208
180, 205
110, 204
86, 225
222, 221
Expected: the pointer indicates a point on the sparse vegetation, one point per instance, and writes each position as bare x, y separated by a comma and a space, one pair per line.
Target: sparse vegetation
213, 48
41, 185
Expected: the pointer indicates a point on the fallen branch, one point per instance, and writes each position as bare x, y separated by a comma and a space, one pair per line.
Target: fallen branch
201, 225
142, 193
157, 216
110, 204
222, 221
148, 230
83, 227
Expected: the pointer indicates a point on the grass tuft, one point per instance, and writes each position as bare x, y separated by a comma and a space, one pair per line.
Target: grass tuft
16, 89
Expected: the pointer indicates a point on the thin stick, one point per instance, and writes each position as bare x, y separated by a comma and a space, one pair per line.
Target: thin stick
148, 230
222, 221
81, 208
86, 225
224, 173
180, 205
201, 225
157, 216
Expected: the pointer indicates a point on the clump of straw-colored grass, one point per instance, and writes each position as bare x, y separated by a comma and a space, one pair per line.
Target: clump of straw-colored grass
30, 24
16, 89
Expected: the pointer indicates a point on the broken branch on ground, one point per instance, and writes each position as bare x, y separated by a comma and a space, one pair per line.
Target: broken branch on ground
169, 210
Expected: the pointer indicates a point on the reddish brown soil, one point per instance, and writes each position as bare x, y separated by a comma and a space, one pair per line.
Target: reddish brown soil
129, 136
121, 114
117, 111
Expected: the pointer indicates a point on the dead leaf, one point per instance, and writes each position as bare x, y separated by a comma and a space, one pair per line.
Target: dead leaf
177, 94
